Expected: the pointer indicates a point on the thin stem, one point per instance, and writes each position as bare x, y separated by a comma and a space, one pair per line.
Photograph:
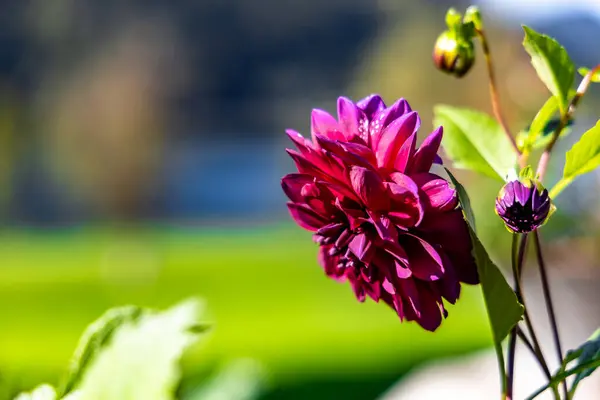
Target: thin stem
510, 373
517, 272
525, 340
495, 99
549, 304
512, 340
564, 120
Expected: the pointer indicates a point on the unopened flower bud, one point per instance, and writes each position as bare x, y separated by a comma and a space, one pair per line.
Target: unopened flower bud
452, 55
523, 206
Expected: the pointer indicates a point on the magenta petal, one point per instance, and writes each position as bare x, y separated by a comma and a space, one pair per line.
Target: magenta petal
292, 186
409, 292
324, 124
438, 193
370, 188
426, 263
431, 311
427, 152
302, 144
393, 137
330, 264
362, 247
384, 227
351, 119
402, 271
305, 217
406, 153
371, 105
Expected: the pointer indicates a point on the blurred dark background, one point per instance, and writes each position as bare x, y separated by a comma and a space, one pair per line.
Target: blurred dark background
141, 148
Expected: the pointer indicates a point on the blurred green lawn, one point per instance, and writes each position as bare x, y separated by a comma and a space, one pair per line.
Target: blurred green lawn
263, 288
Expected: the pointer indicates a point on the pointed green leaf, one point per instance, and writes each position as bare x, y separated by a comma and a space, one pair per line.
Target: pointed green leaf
504, 310
582, 158
584, 71
541, 120
526, 173
141, 360
552, 64
464, 200
474, 140
97, 335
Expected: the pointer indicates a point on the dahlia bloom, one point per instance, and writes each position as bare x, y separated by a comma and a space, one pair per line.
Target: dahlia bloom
523, 206
382, 220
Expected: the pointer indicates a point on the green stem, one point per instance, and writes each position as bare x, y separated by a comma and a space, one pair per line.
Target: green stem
549, 304
517, 272
564, 120
494, 97
559, 187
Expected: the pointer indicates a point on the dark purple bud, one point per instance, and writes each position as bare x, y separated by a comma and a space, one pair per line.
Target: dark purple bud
523, 206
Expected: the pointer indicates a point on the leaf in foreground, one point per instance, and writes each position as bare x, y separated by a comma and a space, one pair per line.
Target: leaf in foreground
142, 359
586, 353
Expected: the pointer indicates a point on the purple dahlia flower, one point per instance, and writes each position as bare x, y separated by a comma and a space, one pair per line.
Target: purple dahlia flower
382, 220
523, 206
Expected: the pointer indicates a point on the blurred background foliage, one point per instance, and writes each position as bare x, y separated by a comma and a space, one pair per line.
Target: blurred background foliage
141, 147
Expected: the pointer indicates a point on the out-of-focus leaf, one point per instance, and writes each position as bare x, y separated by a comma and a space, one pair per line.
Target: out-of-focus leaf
552, 64
97, 335
464, 200
474, 140
584, 71
587, 352
42, 392
141, 361
582, 158
240, 380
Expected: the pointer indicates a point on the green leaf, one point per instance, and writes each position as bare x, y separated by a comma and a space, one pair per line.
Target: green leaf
526, 173
95, 337
240, 380
464, 200
584, 71
474, 140
541, 120
586, 353
588, 360
42, 392
582, 158
141, 360
552, 63
503, 308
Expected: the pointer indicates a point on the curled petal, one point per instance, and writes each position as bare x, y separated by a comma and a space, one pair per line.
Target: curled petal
406, 153
305, 217
393, 137
370, 188
292, 186
371, 105
438, 194
425, 262
322, 123
362, 247
352, 120
427, 152
300, 141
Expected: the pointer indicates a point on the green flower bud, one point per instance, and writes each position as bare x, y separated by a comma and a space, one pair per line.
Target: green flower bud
452, 55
